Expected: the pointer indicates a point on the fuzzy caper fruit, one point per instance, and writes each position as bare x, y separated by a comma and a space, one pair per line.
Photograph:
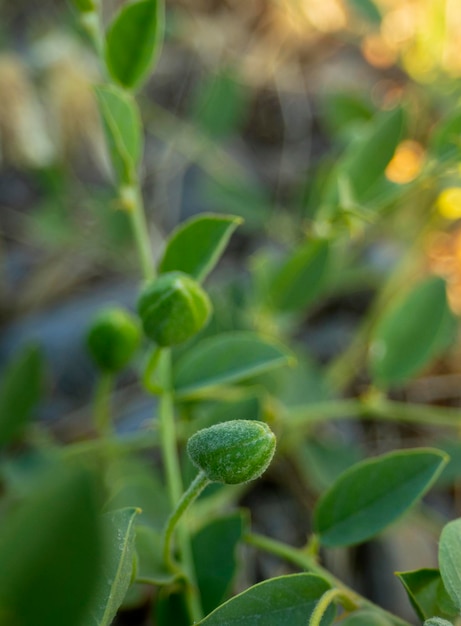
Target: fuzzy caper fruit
173, 308
233, 452
113, 338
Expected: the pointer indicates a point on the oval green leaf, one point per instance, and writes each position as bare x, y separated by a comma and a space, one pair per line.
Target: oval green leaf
151, 568
427, 594
365, 162
450, 560
374, 493
437, 621
122, 124
410, 333
226, 358
195, 246
51, 553
275, 602
133, 41
20, 392
301, 277
117, 572
214, 550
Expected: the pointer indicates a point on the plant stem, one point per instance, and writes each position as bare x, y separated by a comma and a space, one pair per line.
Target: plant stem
305, 561
168, 431
381, 409
323, 604
133, 204
174, 481
102, 411
195, 488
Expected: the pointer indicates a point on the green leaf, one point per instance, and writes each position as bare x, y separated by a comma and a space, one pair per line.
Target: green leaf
132, 484
196, 245
450, 559
226, 358
122, 126
213, 548
374, 493
445, 141
238, 196
437, 621
51, 553
117, 573
20, 392
85, 6
366, 618
365, 161
151, 568
219, 104
427, 593
301, 277
410, 333
133, 41
275, 602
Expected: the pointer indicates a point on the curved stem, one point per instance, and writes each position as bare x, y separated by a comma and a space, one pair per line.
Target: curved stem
174, 481
322, 605
196, 487
102, 411
305, 561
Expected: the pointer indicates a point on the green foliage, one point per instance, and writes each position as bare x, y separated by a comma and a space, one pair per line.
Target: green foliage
301, 277
16, 406
195, 247
133, 42
427, 593
411, 332
276, 602
214, 548
373, 494
449, 555
225, 359
117, 570
356, 275
51, 550
121, 122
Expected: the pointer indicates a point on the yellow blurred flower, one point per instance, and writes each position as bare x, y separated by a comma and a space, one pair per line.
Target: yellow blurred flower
449, 203
406, 163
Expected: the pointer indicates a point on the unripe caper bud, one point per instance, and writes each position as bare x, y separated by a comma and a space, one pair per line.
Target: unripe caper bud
233, 452
173, 308
113, 338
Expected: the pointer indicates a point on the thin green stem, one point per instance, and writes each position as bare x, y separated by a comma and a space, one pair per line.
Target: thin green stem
378, 408
132, 202
305, 561
102, 408
168, 431
196, 487
322, 605
174, 480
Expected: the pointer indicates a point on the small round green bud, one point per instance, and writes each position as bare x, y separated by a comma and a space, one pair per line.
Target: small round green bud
173, 308
233, 452
113, 338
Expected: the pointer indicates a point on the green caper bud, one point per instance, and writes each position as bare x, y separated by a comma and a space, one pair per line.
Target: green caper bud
173, 308
233, 452
113, 338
